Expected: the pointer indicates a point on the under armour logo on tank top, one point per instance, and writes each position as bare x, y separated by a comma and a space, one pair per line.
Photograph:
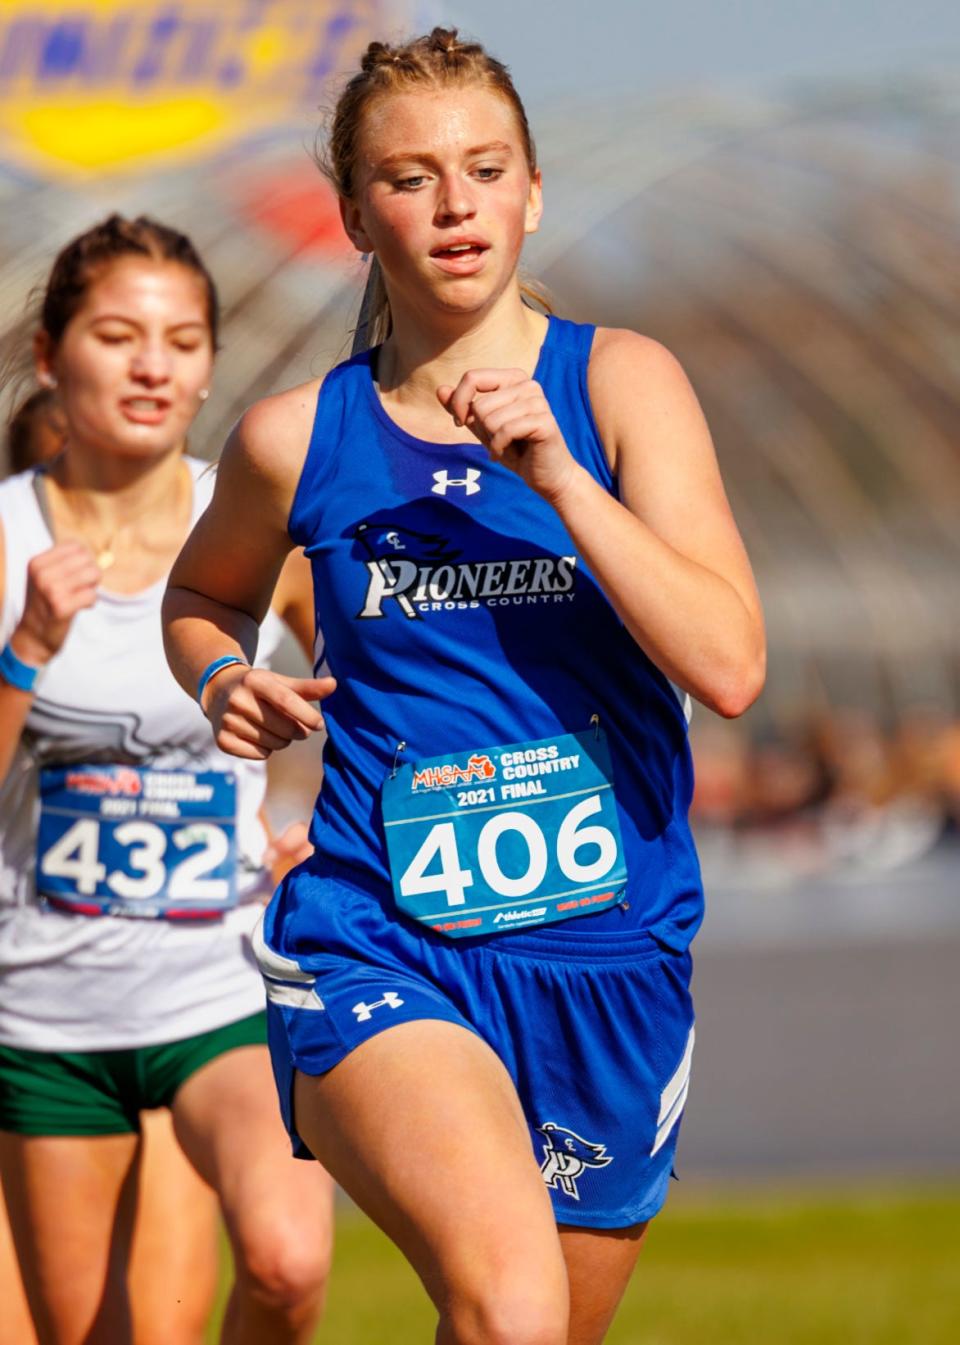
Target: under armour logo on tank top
442, 481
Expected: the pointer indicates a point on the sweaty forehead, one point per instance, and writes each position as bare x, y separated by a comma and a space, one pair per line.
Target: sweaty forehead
436, 121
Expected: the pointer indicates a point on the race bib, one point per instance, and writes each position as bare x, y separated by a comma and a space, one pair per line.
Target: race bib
124, 840
507, 837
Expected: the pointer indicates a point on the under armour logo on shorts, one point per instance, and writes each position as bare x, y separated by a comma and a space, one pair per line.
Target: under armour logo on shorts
364, 1012
441, 481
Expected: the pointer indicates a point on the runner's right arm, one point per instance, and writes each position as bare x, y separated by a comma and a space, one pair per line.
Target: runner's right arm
223, 580
60, 581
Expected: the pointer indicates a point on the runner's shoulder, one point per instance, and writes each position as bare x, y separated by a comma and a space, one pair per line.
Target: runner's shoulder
271, 438
637, 387
619, 352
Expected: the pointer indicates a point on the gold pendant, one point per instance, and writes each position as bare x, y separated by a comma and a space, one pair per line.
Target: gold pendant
105, 558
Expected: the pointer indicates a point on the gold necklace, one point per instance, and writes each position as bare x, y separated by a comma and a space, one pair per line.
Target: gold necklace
104, 552
105, 556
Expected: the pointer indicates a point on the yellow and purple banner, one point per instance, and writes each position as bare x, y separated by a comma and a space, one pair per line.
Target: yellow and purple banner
90, 87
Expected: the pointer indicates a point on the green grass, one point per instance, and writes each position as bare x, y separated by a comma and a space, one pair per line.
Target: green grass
861, 1267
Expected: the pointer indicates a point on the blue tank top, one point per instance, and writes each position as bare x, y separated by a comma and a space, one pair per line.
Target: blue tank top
457, 615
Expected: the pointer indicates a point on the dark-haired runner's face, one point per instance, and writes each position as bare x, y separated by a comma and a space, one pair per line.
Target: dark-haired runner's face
444, 197
133, 360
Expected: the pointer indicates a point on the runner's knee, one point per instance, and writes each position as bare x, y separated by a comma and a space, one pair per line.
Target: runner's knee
281, 1266
520, 1313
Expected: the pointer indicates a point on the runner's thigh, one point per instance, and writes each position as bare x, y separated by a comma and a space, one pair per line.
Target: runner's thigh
72, 1201
228, 1121
599, 1265
16, 1324
174, 1262
422, 1127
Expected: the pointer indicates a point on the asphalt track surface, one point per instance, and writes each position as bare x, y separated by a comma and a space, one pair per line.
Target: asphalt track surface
832, 1049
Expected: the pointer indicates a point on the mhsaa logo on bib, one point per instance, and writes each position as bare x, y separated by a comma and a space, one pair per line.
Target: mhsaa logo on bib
98, 781
451, 773
102, 85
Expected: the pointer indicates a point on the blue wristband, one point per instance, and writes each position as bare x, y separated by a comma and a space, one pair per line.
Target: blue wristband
21, 675
212, 669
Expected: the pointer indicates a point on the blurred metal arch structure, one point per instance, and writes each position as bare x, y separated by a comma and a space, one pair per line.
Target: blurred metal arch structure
800, 257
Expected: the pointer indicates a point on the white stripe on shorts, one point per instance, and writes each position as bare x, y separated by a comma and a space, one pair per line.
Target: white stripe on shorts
275, 964
293, 996
674, 1096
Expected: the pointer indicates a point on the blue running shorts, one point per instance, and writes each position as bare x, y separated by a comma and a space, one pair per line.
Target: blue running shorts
594, 1028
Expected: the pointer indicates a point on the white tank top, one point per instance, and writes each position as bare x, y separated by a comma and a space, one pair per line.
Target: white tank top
71, 982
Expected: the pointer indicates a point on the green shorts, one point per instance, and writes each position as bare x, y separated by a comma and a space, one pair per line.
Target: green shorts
104, 1092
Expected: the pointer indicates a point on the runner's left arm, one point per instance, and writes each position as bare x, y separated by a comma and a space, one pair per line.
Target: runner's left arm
667, 553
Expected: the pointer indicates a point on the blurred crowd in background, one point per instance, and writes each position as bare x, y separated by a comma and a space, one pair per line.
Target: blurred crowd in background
838, 788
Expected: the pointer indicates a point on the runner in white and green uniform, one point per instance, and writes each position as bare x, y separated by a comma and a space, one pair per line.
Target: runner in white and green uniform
132, 851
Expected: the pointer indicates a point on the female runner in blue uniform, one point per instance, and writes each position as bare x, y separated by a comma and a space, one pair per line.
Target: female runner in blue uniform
523, 562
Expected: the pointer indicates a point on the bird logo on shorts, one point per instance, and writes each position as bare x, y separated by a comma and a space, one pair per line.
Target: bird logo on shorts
566, 1157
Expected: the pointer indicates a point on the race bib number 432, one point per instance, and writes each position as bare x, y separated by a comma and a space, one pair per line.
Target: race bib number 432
124, 840
506, 837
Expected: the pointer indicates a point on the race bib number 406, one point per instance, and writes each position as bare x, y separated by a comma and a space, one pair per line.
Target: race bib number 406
506, 837
123, 840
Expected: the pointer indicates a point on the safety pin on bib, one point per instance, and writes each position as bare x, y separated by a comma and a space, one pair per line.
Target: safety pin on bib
401, 747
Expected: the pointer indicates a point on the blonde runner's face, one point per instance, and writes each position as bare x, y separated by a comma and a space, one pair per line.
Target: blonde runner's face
444, 197
134, 359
